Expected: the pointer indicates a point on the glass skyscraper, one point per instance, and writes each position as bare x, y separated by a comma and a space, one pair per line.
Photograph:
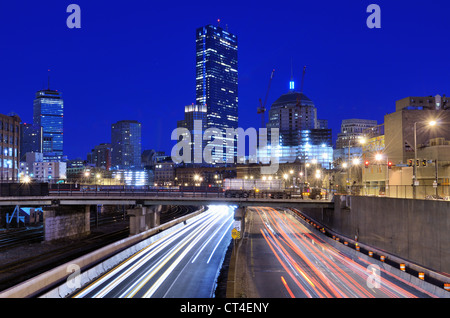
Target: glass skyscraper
217, 78
126, 145
48, 112
30, 139
301, 135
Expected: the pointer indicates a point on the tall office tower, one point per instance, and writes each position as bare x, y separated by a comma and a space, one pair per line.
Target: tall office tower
30, 139
126, 145
9, 147
301, 135
217, 79
48, 112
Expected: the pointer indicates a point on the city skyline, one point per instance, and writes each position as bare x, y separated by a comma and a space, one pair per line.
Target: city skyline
104, 82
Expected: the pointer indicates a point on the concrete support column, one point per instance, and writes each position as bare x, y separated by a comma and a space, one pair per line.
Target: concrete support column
239, 216
62, 222
143, 218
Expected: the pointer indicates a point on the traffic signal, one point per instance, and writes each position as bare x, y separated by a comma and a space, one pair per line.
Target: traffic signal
366, 163
389, 164
410, 162
417, 162
424, 163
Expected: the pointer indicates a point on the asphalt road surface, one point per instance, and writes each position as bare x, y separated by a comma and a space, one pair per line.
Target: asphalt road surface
182, 264
283, 259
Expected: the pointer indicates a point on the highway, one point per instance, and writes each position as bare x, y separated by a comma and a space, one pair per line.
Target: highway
182, 264
286, 260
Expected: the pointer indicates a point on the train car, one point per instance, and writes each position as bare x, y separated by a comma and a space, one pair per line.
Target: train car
245, 188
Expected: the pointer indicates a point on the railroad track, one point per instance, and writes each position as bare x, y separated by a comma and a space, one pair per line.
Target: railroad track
18, 271
15, 272
14, 238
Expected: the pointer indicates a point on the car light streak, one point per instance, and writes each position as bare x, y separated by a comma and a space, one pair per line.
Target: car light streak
325, 270
215, 247
210, 238
143, 273
287, 287
285, 267
139, 259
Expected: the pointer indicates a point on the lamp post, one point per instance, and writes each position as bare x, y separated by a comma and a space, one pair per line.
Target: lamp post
378, 158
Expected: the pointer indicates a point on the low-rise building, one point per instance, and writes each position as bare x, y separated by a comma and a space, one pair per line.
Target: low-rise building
49, 171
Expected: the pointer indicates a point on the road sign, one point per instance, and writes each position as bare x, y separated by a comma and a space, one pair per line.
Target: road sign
235, 234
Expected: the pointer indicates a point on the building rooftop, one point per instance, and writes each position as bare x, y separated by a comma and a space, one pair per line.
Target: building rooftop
292, 98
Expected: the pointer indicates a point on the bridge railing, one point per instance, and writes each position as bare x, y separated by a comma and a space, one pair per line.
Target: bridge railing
427, 192
94, 192
148, 191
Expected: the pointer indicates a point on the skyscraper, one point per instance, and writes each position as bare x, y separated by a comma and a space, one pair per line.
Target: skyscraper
48, 112
301, 135
217, 76
126, 145
9, 147
30, 139
194, 113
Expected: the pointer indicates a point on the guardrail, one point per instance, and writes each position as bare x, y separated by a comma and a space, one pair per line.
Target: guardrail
423, 192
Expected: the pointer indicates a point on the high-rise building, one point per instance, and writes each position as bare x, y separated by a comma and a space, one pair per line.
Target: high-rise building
9, 148
30, 139
301, 135
126, 145
48, 112
217, 78
100, 156
349, 143
351, 130
194, 113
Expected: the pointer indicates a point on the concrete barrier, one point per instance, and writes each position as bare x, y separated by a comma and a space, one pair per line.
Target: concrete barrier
54, 283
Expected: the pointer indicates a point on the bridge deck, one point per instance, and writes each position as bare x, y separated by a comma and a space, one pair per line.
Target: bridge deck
132, 199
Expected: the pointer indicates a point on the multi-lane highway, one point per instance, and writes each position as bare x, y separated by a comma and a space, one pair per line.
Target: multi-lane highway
284, 259
182, 264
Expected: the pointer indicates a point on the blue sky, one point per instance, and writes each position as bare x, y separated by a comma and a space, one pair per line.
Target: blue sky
136, 59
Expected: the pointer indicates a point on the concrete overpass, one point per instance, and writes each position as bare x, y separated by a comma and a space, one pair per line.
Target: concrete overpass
73, 200
68, 215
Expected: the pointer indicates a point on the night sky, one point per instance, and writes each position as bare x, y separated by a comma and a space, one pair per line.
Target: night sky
136, 59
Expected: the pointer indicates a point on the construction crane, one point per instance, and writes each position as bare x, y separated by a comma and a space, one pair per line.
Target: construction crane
303, 79
262, 106
299, 96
